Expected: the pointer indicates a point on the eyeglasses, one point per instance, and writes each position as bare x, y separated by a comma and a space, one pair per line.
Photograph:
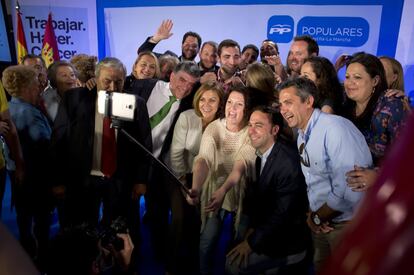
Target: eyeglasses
304, 160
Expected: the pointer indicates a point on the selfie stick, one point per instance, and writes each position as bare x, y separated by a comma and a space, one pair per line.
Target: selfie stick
116, 124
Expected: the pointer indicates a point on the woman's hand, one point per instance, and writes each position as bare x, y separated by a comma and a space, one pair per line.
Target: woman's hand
4, 128
360, 179
216, 200
193, 198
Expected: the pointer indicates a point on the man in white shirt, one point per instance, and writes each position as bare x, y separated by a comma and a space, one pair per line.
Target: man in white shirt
165, 102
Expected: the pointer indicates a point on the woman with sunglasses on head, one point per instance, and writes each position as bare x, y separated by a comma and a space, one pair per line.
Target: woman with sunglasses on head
379, 117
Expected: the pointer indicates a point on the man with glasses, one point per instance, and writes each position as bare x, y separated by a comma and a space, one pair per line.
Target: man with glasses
329, 146
190, 45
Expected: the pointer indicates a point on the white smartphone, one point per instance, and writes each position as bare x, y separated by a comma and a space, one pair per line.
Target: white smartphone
122, 107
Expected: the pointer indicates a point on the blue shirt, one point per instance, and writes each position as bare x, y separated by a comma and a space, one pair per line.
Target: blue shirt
332, 146
30, 120
34, 134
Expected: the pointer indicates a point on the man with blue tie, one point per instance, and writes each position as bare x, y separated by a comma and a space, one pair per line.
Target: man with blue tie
275, 204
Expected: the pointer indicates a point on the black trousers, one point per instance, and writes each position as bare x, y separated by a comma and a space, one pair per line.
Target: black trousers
2, 187
175, 238
33, 215
82, 204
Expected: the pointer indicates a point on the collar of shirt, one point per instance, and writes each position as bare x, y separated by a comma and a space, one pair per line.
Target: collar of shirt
264, 156
304, 135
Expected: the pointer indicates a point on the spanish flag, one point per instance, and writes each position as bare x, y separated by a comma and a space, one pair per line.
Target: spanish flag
21, 39
50, 51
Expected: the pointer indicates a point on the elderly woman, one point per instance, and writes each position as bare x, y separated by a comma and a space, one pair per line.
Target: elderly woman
145, 67
62, 77
31, 197
184, 148
221, 169
378, 117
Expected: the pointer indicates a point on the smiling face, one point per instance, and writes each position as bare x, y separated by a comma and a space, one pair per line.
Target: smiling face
234, 112
181, 84
268, 48
359, 85
294, 111
208, 105
297, 54
261, 132
65, 79
145, 67
190, 48
229, 59
249, 56
110, 80
208, 56
306, 71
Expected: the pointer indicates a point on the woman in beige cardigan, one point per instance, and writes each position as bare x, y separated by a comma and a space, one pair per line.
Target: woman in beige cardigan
224, 163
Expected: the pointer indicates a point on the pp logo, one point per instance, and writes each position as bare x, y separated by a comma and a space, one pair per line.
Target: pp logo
280, 28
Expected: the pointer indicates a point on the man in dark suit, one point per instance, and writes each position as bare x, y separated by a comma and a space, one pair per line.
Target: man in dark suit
276, 204
79, 164
163, 193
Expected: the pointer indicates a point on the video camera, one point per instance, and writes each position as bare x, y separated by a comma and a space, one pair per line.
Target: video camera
108, 234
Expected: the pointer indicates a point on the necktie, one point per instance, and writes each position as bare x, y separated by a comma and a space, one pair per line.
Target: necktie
258, 167
162, 113
108, 156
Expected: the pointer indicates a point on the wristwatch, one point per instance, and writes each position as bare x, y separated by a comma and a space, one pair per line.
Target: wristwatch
315, 218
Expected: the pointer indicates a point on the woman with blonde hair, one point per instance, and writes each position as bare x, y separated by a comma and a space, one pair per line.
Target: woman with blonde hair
393, 73
146, 66
32, 195
184, 148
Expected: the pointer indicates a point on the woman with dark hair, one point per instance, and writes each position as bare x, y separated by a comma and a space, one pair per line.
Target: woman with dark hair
221, 170
378, 117
330, 92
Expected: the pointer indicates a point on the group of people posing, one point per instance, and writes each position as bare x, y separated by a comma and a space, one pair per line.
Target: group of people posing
286, 150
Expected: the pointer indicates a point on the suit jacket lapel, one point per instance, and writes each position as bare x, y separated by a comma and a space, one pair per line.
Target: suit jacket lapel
269, 161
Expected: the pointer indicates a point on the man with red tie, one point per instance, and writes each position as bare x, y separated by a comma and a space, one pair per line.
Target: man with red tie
91, 162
